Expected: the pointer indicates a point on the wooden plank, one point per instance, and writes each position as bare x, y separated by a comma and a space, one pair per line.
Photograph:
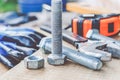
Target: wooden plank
76, 7
87, 8
69, 71
3, 69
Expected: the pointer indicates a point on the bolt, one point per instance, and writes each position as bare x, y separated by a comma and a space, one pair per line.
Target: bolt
56, 58
113, 46
33, 62
80, 58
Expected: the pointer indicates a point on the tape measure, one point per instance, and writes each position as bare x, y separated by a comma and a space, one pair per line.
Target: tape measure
107, 24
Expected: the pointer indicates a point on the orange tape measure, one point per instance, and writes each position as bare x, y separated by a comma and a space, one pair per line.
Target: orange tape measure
107, 25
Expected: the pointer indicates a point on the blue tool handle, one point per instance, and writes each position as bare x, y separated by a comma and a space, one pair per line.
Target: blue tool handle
6, 62
27, 51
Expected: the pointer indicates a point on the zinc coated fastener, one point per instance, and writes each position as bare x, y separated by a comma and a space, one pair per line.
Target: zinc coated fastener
80, 58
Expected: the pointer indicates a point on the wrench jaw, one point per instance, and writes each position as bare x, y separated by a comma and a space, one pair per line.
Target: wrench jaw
114, 49
90, 49
113, 46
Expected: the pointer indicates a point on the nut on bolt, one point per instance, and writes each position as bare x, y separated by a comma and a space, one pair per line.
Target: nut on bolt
54, 59
33, 62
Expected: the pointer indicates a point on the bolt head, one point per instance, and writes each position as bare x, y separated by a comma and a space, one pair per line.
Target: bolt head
56, 60
33, 62
91, 32
43, 43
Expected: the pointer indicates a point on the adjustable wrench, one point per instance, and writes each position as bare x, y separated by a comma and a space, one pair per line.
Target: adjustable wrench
113, 46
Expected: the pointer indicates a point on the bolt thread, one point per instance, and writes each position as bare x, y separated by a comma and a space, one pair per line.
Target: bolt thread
56, 27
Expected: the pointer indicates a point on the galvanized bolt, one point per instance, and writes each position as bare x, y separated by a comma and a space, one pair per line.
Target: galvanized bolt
56, 58
80, 58
113, 46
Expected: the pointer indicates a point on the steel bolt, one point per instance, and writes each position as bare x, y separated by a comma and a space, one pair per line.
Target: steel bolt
88, 61
56, 58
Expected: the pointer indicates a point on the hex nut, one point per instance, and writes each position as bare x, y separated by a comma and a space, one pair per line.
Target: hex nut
56, 60
33, 62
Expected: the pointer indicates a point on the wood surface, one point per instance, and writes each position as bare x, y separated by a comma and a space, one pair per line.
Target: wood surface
3, 69
94, 6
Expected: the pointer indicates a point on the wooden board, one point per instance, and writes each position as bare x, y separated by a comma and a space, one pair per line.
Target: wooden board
88, 8
69, 71
3, 69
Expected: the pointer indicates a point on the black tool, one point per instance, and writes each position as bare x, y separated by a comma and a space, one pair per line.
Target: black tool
67, 35
14, 19
20, 20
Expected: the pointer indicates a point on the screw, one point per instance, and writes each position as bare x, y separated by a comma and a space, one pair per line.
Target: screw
78, 57
56, 58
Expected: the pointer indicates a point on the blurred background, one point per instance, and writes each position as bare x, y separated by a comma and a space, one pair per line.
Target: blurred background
8, 5
29, 5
